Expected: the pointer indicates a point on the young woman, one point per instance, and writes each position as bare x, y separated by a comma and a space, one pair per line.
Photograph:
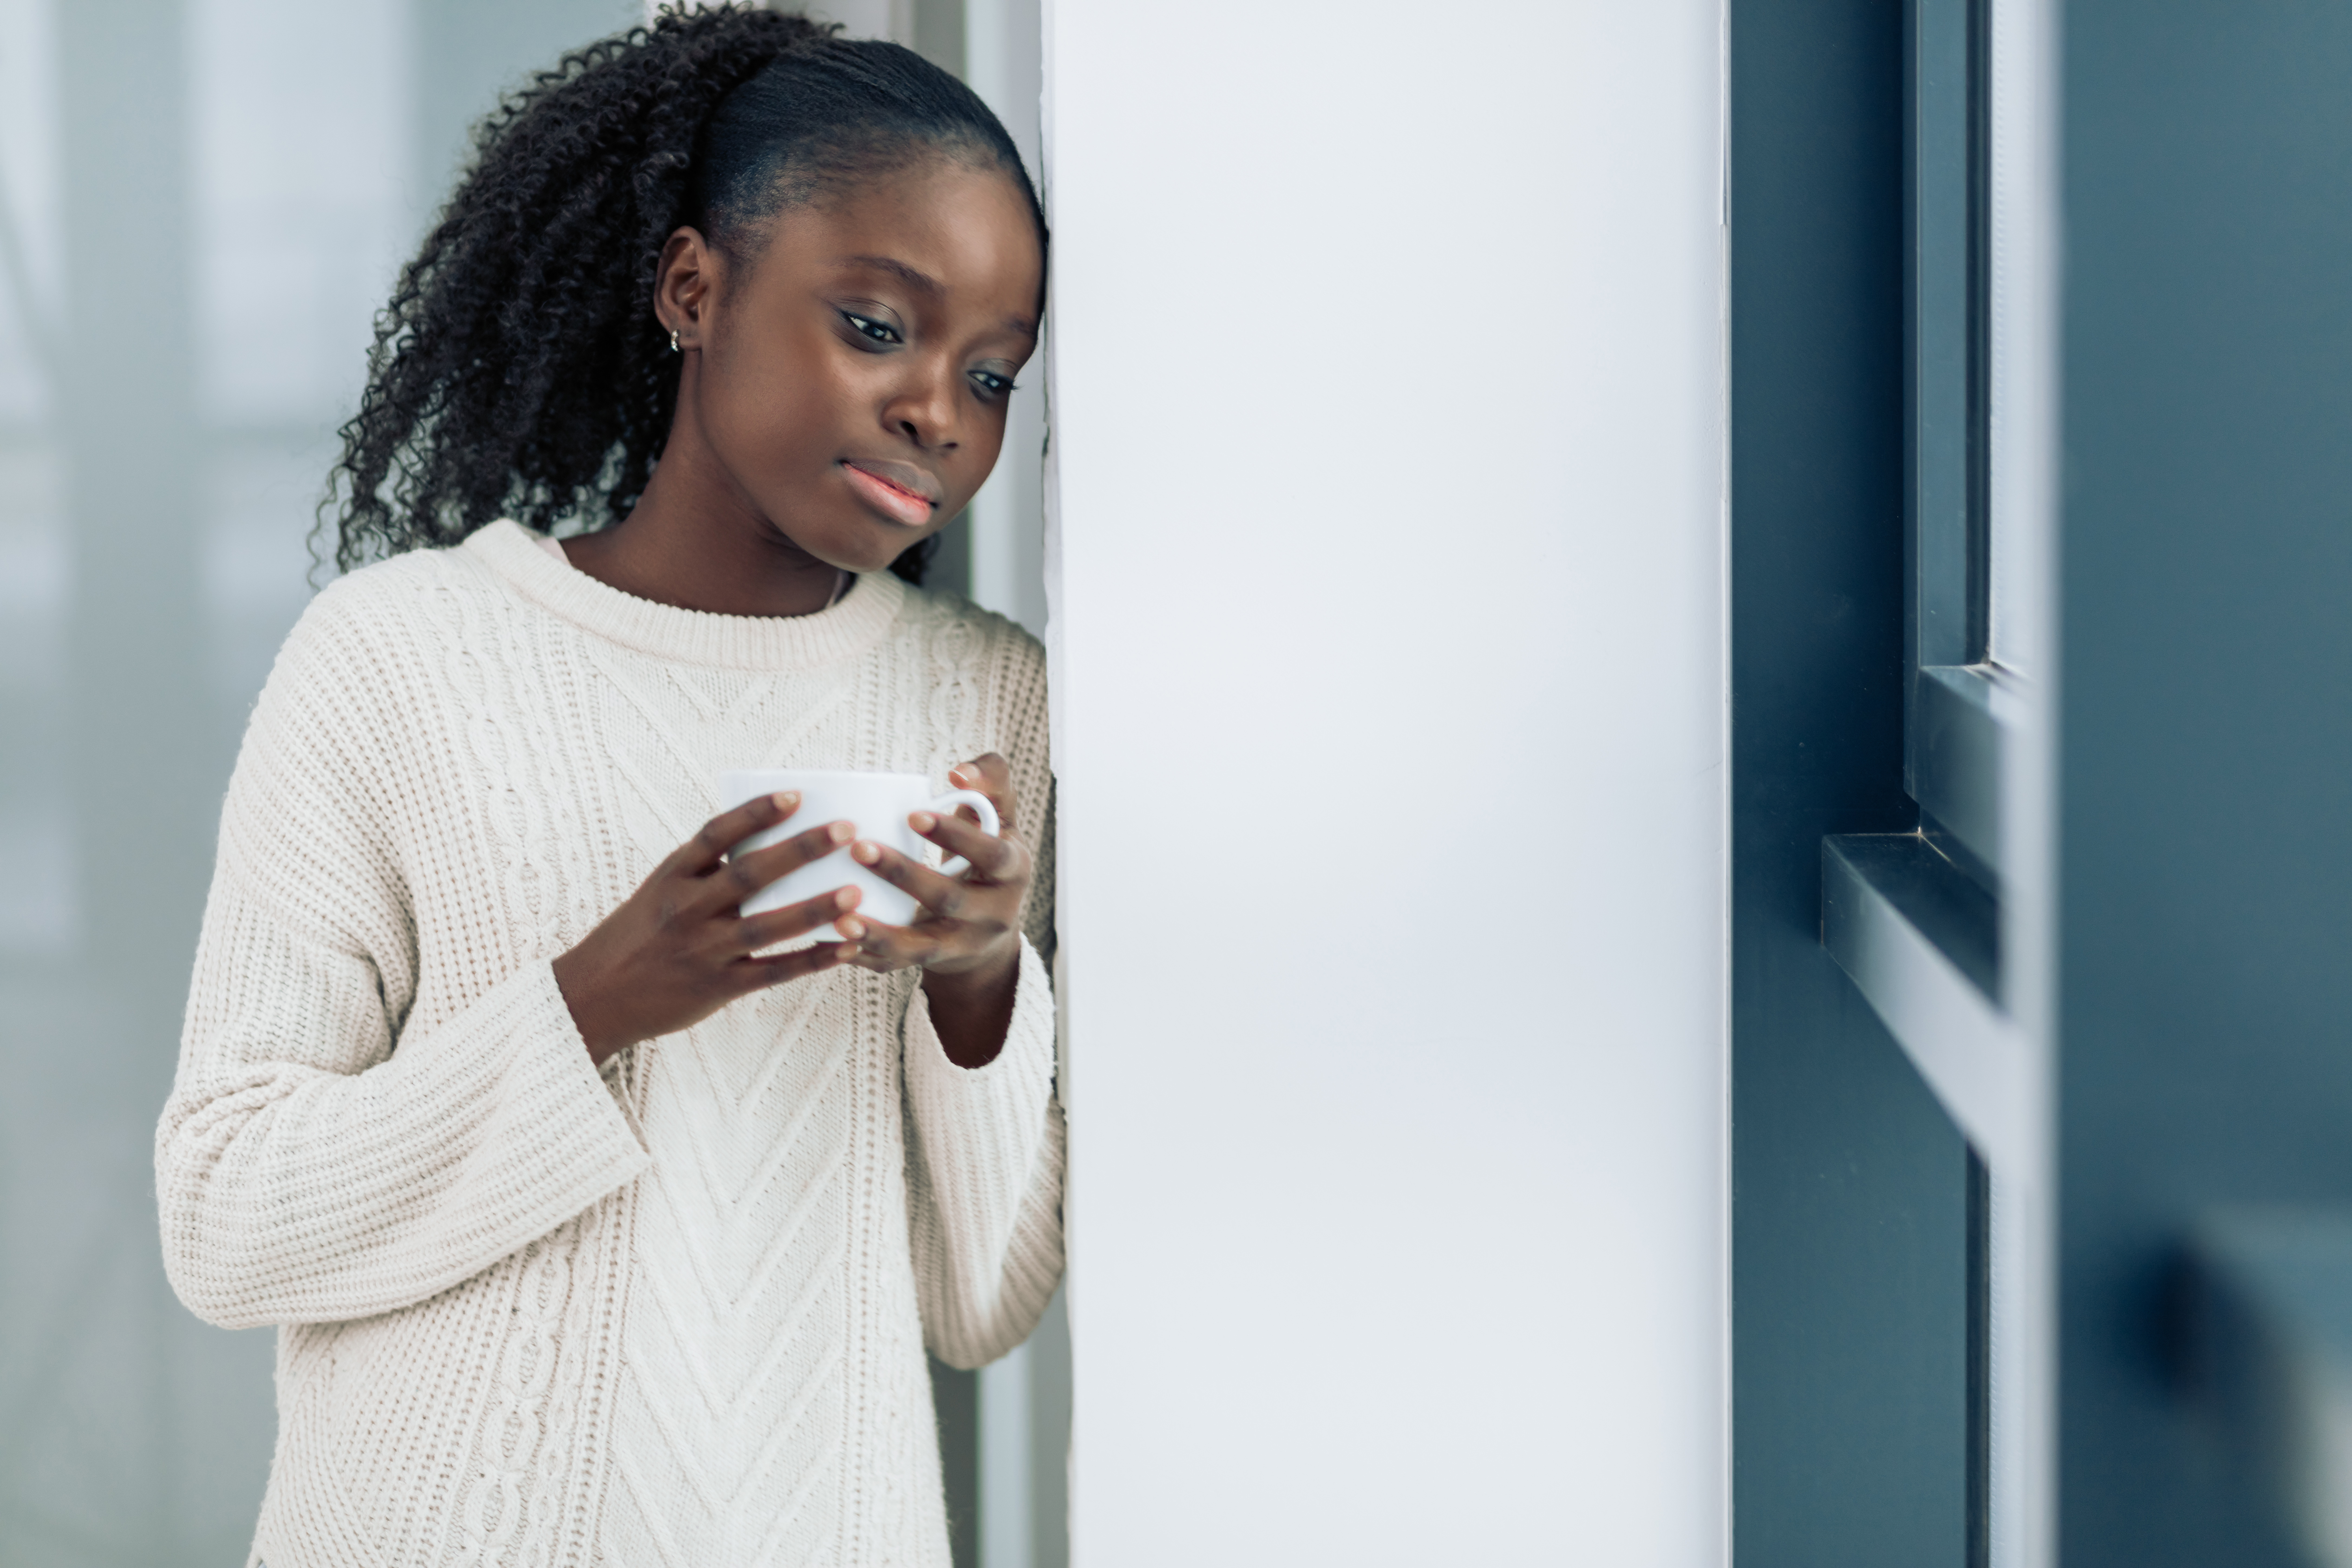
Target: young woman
602, 1224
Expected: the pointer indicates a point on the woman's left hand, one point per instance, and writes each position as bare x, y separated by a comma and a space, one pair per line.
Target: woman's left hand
967, 938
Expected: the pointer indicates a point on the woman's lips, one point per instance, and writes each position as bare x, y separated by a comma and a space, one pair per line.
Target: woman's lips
896, 502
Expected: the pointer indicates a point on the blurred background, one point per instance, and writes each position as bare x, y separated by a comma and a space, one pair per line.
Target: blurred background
202, 204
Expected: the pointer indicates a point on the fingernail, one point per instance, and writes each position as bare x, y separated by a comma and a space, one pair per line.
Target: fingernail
842, 832
846, 950
850, 929
866, 854
844, 899
923, 821
786, 799
960, 774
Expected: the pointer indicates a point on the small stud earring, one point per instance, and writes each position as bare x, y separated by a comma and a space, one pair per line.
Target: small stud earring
673, 341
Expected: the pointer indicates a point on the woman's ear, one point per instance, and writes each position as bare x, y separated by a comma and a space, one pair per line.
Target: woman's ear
684, 286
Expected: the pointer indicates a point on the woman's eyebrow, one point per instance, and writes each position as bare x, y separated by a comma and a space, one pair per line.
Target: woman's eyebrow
914, 277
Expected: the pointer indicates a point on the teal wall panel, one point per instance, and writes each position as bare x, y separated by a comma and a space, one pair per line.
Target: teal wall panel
2206, 595
1848, 1244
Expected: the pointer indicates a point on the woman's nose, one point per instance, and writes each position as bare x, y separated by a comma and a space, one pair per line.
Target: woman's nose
926, 412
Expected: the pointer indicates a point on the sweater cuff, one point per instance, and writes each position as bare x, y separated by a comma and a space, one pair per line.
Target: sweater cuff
556, 1138
1019, 1078
295, 1193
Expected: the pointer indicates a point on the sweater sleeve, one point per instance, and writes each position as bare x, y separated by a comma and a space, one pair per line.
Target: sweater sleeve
987, 1147
985, 1182
306, 1170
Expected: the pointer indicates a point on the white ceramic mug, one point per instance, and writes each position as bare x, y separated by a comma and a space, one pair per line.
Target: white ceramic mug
876, 803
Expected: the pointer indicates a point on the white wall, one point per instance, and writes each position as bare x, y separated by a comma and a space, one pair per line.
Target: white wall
1390, 709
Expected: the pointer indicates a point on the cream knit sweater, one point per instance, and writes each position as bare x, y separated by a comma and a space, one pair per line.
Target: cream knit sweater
529, 1314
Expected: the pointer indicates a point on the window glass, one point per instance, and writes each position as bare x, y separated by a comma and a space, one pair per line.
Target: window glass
2019, 556
202, 204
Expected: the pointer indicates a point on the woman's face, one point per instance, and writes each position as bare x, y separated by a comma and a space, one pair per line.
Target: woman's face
850, 374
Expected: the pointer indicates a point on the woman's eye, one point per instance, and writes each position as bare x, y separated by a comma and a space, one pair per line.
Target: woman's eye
880, 331
991, 383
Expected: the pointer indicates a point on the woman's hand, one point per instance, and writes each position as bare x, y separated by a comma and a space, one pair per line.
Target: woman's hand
678, 950
967, 937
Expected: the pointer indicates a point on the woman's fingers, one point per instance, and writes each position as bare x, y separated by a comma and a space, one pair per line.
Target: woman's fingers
940, 895
759, 973
995, 859
725, 882
884, 948
747, 874
755, 932
711, 842
991, 775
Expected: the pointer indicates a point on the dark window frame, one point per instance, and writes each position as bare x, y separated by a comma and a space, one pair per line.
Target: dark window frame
1958, 706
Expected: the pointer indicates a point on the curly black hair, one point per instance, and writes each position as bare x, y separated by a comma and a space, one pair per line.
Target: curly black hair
519, 370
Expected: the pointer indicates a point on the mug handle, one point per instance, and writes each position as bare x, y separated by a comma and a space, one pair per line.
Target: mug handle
956, 864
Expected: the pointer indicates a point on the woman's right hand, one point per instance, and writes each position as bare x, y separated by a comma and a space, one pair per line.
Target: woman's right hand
678, 950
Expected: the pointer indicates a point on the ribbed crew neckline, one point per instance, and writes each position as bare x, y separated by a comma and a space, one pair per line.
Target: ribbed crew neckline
840, 632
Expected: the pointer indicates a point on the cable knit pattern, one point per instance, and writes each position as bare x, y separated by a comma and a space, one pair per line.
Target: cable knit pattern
536, 1316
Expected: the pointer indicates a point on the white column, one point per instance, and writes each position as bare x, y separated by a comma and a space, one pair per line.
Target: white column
1391, 691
